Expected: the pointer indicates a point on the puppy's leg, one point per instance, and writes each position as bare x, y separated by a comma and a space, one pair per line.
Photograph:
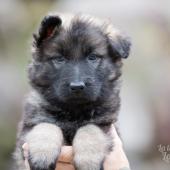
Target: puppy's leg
44, 141
90, 147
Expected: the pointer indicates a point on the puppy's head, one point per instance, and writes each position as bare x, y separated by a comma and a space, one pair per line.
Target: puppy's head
76, 59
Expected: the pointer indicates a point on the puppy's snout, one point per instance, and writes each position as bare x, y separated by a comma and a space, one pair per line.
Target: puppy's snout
77, 86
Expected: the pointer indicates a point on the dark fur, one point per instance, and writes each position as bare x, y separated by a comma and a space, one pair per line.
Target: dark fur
50, 76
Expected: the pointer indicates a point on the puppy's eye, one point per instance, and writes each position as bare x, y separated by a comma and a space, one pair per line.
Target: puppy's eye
92, 57
59, 59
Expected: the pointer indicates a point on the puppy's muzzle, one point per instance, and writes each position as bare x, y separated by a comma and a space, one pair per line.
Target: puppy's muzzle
77, 86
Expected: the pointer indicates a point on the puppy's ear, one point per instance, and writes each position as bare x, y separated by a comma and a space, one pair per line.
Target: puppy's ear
49, 25
119, 46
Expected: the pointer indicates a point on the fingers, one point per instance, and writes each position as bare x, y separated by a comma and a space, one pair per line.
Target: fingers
117, 159
25, 150
66, 154
25, 154
116, 139
64, 166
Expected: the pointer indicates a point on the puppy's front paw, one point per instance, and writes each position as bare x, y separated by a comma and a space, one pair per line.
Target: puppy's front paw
44, 141
43, 159
90, 147
89, 161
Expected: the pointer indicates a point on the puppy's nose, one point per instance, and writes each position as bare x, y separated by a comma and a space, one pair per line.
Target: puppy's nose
77, 86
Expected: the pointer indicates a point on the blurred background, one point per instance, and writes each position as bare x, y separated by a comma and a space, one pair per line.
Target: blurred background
145, 112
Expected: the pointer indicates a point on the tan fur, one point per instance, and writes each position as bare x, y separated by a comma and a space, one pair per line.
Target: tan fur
90, 146
44, 141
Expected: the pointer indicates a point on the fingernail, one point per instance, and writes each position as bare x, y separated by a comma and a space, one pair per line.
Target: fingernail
25, 150
25, 146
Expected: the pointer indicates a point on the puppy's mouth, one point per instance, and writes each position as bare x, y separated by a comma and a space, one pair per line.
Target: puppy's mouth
78, 99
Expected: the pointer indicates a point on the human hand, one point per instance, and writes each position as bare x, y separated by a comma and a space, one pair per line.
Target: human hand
116, 160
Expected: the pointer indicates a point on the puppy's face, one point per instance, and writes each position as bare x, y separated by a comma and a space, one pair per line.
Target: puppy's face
78, 63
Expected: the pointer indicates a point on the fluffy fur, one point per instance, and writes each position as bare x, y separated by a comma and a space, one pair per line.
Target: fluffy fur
72, 51
44, 141
90, 153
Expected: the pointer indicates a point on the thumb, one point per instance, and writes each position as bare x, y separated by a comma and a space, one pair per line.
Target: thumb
66, 154
25, 148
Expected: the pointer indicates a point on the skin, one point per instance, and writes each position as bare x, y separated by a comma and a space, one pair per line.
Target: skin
116, 160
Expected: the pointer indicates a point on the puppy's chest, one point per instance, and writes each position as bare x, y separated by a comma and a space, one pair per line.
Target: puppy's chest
69, 130
70, 123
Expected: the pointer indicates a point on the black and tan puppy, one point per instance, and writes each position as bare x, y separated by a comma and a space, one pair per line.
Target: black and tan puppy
74, 74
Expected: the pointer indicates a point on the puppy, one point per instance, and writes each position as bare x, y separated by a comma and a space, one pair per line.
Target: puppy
74, 74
